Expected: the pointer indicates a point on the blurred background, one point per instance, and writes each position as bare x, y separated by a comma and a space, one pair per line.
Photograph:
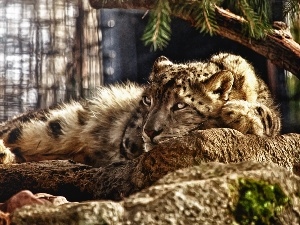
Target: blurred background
56, 50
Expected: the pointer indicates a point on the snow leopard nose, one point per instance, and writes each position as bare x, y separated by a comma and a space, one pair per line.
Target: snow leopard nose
152, 133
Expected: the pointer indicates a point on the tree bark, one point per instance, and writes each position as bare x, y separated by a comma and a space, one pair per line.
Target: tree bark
278, 46
79, 182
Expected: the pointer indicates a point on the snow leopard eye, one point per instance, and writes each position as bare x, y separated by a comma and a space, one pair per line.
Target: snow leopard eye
179, 105
147, 100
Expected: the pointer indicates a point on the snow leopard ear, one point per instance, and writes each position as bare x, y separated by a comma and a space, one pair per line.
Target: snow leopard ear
220, 84
160, 64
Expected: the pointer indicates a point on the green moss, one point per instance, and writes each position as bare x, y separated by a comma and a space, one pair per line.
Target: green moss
258, 202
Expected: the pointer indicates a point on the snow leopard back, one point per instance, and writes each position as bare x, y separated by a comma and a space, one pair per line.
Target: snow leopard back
89, 132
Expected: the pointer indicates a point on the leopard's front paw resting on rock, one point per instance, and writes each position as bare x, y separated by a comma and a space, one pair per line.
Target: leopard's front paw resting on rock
250, 118
6, 156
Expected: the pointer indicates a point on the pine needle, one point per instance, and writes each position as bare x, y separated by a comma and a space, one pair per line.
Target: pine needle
257, 14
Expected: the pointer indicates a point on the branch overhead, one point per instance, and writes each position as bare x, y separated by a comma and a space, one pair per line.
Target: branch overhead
277, 46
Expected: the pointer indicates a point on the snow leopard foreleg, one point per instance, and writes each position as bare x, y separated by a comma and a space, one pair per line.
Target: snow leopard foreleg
132, 142
251, 118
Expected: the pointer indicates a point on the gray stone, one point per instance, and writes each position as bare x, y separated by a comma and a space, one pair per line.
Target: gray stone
204, 194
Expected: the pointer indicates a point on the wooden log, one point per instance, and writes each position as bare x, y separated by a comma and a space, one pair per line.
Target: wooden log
79, 182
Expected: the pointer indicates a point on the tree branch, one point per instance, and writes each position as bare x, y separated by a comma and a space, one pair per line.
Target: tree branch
78, 182
278, 46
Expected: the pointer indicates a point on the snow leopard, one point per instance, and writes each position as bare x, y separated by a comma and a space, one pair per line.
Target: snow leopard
224, 91
123, 121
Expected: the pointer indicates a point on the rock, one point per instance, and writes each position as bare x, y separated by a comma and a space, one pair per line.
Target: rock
78, 182
20, 199
211, 193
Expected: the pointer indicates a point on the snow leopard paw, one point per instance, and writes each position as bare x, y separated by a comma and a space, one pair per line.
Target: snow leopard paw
6, 156
250, 118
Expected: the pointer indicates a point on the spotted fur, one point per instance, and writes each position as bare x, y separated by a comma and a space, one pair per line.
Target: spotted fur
89, 132
123, 121
221, 92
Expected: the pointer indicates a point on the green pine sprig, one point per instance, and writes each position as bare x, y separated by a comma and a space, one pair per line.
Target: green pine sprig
204, 14
257, 13
158, 30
